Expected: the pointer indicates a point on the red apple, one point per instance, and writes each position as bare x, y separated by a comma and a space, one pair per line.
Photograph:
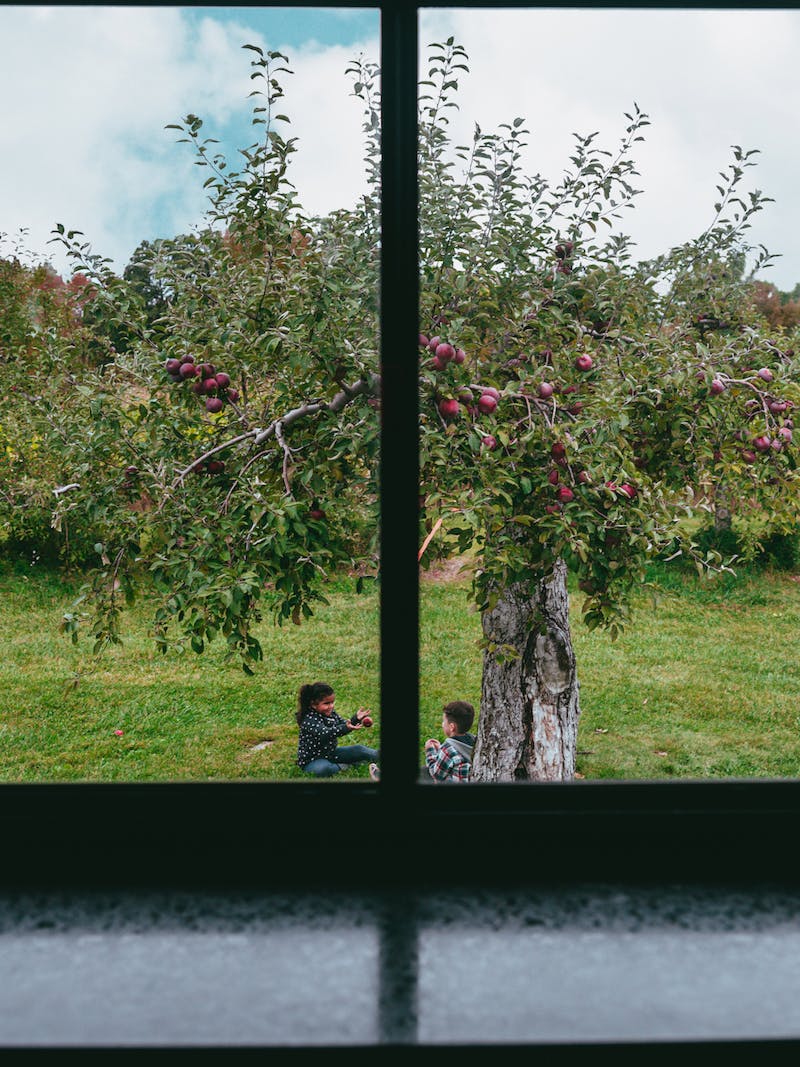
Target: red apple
748, 455
584, 362
214, 404
628, 490
765, 374
583, 477
189, 358
444, 352
210, 386
222, 379
490, 441
565, 494
558, 451
761, 443
491, 391
448, 407
233, 395
717, 387
576, 408
423, 341
465, 395
188, 370
207, 370
215, 466
545, 390
486, 403
317, 513
785, 433
460, 355
367, 720
553, 476
434, 343
553, 509
172, 366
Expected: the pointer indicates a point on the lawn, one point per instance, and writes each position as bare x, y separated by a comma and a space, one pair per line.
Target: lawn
704, 685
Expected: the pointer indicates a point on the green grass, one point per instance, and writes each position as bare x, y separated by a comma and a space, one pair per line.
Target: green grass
182, 716
703, 686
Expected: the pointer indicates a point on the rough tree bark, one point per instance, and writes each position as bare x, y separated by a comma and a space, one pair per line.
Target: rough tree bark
528, 724
723, 519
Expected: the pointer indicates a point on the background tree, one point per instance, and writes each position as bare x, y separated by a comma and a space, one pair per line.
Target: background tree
575, 405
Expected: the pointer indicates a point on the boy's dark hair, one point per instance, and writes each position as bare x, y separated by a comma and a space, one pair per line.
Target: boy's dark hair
461, 713
308, 695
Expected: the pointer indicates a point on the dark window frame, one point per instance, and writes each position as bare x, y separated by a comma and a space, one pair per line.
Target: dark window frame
224, 833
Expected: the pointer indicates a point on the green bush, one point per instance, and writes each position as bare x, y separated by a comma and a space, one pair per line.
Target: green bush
775, 549
726, 541
781, 551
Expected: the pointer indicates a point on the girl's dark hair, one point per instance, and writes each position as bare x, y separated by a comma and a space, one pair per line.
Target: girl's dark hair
308, 695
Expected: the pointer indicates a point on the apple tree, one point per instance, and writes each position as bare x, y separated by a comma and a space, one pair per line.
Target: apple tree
45, 346
576, 406
231, 460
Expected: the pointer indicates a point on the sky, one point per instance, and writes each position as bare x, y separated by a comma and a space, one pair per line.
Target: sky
89, 90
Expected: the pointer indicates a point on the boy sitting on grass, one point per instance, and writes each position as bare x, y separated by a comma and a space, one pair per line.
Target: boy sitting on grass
451, 760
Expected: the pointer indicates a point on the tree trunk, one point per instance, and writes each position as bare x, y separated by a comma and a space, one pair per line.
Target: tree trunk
528, 724
722, 510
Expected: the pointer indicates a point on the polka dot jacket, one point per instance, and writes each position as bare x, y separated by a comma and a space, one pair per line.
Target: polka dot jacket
318, 736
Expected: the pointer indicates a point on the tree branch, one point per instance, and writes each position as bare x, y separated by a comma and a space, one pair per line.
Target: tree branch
364, 386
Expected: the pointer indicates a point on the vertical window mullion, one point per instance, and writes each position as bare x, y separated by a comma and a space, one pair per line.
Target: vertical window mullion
399, 476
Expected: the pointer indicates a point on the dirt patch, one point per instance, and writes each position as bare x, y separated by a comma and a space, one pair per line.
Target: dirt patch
456, 569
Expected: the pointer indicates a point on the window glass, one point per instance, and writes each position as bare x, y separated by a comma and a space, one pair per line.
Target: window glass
609, 367
189, 447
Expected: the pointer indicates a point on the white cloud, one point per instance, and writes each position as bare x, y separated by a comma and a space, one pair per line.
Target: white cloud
85, 143
92, 88
707, 79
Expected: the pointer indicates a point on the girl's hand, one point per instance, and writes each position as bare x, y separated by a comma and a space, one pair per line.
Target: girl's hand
431, 743
363, 717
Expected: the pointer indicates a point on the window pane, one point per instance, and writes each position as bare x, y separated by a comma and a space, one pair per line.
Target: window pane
608, 365
189, 453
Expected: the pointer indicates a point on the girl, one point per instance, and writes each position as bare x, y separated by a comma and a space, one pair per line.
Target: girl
320, 726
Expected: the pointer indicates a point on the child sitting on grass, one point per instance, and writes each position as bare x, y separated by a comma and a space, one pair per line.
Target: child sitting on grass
320, 729
449, 760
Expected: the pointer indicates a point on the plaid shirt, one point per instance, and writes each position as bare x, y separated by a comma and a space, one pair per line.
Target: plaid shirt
447, 763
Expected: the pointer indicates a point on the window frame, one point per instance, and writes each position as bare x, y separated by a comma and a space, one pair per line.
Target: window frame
212, 832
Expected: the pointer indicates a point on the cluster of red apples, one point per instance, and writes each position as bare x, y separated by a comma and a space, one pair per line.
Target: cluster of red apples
762, 442
206, 381
564, 494
443, 354
485, 403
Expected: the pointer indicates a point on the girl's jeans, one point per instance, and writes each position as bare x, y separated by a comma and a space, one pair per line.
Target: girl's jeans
346, 755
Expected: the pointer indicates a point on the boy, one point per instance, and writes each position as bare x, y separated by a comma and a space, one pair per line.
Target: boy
451, 760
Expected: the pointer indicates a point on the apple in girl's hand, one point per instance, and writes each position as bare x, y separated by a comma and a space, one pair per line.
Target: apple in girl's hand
367, 720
